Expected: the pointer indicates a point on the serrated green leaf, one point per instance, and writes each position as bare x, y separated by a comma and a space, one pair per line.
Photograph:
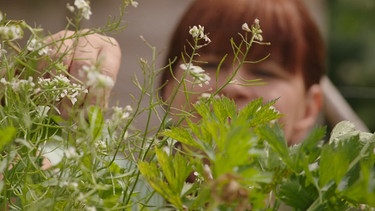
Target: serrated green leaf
224, 109
152, 175
181, 135
336, 158
363, 189
175, 169
274, 136
256, 113
296, 195
308, 151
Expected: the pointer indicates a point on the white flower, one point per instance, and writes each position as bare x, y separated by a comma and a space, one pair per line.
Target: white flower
120, 114
60, 87
205, 95
42, 111
197, 32
3, 81
70, 7
255, 29
256, 21
11, 32
35, 45
199, 75
20, 84
134, 4
245, 27
96, 79
84, 7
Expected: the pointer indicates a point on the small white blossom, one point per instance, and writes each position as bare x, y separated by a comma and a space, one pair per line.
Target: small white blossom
11, 32
19, 85
120, 113
197, 32
60, 87
245, 27
199, 75
255, 29
70, 7
205, 95
3, 81
95, 78
42, 111
35, 45
84, 7
134, 4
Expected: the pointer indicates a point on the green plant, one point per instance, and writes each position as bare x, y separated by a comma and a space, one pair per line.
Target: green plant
229, 159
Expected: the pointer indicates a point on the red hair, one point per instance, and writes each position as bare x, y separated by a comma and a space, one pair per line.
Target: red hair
287, 24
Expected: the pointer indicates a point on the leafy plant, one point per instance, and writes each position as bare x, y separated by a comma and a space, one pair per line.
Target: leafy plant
229, 159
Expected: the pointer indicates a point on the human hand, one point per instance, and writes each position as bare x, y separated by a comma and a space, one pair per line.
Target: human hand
84, 50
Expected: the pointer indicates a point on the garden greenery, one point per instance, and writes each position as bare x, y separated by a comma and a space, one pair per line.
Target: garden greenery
228, 160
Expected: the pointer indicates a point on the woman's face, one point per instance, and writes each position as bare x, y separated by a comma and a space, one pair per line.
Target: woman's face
298, 106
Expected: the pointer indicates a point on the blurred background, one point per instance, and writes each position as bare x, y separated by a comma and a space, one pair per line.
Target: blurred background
347, 25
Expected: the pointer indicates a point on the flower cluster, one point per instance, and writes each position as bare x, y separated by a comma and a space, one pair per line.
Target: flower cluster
134, 3
197, 32
37, 45
19, 85
11, 32
83, 6
61, 87
120, 113
94, 77
255, 30
199, 75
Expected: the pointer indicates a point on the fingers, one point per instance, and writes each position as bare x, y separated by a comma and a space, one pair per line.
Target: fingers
86, 50
80, 50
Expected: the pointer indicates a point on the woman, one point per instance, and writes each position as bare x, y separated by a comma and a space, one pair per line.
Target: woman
291, 73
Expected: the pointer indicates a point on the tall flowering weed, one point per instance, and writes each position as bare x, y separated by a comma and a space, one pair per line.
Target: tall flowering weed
60, 151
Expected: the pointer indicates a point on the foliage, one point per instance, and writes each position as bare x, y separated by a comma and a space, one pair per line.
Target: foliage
229, 159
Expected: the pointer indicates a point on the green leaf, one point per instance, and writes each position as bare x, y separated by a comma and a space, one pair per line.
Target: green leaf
96, 121
181, 135
152, 174
7, 135
336, 158
170, 184
256, 113
296, 195
274, 136
175, 169
308, 151
362, 190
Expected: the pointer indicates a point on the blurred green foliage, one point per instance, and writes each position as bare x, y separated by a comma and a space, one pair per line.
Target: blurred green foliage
351, 49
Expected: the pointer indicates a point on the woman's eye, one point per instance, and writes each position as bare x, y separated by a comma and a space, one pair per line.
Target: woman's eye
263, 74
209, 67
